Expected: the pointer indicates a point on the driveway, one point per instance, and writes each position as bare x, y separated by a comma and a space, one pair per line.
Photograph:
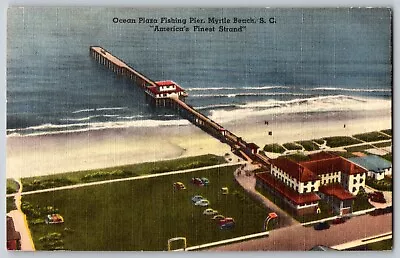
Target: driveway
246, 179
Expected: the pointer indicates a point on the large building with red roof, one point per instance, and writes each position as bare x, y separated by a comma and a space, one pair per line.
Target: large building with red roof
303, 184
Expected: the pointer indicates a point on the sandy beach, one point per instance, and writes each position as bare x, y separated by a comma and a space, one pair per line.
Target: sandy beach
57, 153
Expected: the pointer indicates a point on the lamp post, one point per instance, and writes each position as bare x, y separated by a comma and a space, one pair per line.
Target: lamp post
270, 217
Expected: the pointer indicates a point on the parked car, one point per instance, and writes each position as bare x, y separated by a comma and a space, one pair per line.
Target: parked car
179, 186
226, 220
197, 198
197, 181
228, 225
339, 220
54, 219
210, 211
381, 211
205, 181
377, 197
322, 226
388, 209
375, 193
218, 217
203, 203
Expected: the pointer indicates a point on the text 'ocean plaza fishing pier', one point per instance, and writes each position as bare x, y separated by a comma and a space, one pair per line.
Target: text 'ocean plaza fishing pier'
170, 94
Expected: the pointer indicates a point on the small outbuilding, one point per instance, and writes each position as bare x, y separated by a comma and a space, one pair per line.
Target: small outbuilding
377, 167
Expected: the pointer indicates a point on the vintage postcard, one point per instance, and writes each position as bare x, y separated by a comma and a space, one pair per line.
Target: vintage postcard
198, 129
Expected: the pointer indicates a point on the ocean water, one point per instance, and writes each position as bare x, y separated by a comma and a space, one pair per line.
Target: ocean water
310, 60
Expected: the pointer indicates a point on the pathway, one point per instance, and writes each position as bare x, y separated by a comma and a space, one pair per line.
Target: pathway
20, 222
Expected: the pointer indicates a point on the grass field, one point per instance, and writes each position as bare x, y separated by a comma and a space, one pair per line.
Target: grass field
276, 148
144, 214
383, 185
371, 137
387, 131
71, 178
337, 141
359, 148
388, 157
383, 144
10, 204
292, 146
297, 157
309, 145
12, 186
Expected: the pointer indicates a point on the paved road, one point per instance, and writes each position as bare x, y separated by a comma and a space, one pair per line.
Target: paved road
299, 238
20, 222
248, 183
126, 179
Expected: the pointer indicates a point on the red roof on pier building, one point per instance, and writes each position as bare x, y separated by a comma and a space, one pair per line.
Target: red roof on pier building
156, 90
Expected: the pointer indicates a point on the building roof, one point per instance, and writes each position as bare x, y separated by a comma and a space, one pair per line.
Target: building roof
11, 233
337, 191
156, 90
286, 191
294, 169
372, 163
166, 83
333, 164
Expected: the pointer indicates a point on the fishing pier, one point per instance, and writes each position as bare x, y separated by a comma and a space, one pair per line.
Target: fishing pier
170, 94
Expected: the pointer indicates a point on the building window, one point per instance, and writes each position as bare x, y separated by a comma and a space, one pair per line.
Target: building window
354, 190
312, 189
355, 181
361, 181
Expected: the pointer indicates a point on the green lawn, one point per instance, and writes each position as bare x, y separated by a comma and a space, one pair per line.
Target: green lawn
337, 141
292, 146
12, 186
309, 145
297, 157
71, 178
387, 131
383, 144
319, 141
385, 184
10, 204
344, 154
372, 137
388, 156
359, 148
274, 147
144, 214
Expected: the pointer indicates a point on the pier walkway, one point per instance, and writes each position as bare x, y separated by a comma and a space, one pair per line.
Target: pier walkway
169, 94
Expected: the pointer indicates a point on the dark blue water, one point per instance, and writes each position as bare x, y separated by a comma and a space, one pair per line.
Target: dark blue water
311, 58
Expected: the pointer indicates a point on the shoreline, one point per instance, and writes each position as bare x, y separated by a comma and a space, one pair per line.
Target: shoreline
67, 152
